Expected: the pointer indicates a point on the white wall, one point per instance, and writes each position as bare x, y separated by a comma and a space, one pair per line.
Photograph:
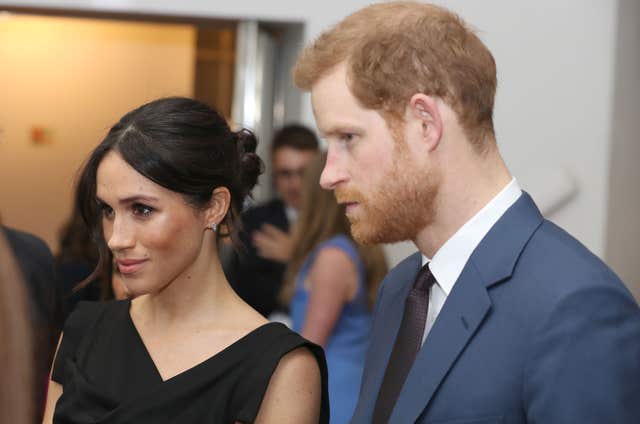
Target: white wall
555, 71
623, 231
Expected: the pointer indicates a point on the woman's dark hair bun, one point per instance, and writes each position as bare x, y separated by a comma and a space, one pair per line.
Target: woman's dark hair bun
251, 166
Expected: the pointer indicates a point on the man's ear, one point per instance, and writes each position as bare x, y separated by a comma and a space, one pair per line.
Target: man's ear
425, 111
218, 206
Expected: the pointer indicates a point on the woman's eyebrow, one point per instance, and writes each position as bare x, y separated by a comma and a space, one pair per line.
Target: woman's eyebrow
132, 199
137, 198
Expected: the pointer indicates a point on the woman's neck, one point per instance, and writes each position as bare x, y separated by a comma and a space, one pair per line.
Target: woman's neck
198, 296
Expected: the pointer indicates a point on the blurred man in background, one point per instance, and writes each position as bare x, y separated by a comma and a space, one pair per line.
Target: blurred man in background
256, 271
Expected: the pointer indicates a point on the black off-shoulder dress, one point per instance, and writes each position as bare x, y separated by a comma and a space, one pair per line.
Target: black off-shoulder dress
108, 376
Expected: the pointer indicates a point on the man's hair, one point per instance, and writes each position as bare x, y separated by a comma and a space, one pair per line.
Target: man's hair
395, 50
295, 136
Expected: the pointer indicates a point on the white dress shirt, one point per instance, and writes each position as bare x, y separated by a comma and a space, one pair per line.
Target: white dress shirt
448, 262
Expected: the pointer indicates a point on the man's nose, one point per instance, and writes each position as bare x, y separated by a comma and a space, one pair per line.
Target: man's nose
333, 172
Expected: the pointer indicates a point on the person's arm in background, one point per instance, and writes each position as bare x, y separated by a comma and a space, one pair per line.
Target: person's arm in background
332, 282
44, 302
16, 341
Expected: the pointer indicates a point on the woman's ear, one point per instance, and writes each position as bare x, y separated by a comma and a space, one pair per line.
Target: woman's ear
218, 206
424, 110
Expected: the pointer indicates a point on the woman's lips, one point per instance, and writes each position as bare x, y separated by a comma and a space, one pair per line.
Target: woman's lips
129, 266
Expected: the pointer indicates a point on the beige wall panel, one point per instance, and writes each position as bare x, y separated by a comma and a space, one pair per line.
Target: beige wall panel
74, 78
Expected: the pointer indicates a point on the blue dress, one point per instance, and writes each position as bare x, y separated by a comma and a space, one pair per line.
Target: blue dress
346, 348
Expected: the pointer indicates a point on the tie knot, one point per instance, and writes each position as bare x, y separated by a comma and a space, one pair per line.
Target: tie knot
425, 279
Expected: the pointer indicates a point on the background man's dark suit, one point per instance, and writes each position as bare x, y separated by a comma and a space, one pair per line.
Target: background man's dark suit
37, 266
258, 280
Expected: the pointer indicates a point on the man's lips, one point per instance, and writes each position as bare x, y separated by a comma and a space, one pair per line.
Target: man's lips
350, 199
129, 266
349, 206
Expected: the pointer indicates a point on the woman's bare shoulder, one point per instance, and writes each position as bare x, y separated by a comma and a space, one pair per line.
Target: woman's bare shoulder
295, 390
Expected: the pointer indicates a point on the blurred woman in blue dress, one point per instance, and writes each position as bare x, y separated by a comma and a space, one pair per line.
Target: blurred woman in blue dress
330, 285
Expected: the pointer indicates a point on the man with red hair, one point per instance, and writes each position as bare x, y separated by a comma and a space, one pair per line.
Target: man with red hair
502, 316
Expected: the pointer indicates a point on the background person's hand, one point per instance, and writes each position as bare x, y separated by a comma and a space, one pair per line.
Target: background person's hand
272, 243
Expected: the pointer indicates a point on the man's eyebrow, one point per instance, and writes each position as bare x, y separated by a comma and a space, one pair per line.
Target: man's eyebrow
338, 129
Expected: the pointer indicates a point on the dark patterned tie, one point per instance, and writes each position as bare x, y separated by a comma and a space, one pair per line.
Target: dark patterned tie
407, 345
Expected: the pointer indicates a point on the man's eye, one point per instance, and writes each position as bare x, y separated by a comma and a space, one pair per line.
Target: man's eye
142, 210
347, 136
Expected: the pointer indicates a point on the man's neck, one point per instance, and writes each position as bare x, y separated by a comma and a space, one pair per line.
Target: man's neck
459, 198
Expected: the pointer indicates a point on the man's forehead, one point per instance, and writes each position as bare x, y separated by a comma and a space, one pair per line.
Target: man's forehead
345, 117
333, 82
336, 73
287, 154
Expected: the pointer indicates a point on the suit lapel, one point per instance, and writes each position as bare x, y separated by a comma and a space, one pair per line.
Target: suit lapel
387, 323
460, 317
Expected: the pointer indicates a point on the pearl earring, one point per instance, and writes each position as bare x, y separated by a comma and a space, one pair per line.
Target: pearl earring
214, 227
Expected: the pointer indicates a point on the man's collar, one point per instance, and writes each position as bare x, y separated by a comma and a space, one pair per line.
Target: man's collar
450, 259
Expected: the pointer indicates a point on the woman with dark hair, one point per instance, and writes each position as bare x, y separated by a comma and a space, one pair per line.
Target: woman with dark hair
164, 185
331, 284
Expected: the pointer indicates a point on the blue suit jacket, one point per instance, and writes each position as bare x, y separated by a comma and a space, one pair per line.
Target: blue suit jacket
536, 330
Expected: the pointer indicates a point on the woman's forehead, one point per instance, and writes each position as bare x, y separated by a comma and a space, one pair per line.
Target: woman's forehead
116, 179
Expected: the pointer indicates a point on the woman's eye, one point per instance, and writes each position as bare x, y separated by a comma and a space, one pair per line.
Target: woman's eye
106, 211
142, 210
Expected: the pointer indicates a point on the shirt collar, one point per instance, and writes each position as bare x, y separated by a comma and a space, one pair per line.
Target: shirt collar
448, 262
291, 213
